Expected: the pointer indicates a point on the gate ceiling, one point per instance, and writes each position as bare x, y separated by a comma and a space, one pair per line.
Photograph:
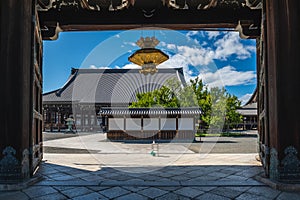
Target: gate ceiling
88, 15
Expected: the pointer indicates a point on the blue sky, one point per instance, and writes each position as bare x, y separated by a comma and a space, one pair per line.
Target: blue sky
220, 58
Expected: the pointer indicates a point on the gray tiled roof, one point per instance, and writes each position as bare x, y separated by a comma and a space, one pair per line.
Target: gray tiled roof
248, 110
109, 86
150, 111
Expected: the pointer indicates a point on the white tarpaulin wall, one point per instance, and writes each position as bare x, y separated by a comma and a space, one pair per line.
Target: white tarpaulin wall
116, 124
151, 124
186, 124
135, 124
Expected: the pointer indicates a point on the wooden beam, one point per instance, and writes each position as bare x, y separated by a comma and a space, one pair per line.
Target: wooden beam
84, 20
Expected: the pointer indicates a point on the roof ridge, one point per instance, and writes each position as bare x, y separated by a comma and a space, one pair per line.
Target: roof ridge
71, 78
117, 70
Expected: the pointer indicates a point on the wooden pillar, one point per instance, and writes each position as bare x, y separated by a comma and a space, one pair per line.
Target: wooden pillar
58, 120
16, 22
283, 85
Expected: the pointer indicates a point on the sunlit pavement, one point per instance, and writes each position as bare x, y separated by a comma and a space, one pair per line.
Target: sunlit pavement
89, 167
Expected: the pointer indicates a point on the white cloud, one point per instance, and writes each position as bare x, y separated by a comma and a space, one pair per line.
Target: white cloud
244, 99
177, 61
192, 33
163, 44
228, 76
196, 56
131, 66
213, 34
174, 62
231, 44
204, 43
130, 43
171, 46
95, 67
221, 47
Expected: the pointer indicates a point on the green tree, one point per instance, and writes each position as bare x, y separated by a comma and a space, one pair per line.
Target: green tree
144, 100
203, 101
232, 116
218, 107
163, 97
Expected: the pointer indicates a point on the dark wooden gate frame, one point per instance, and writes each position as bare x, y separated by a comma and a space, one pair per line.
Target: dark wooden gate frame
275, 25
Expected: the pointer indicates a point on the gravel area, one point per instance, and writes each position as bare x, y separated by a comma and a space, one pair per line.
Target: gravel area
240, 144
243, 144
60, 135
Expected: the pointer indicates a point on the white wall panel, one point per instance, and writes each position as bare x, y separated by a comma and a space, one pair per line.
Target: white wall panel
168, 124
185, 124
133, 124
151, 124
115, 124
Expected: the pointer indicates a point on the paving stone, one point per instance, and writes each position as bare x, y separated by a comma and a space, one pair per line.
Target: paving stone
169, 188
236, 178
36, 191
289, 196
197, 173
72, 172
189, 192
238, 188
59, 174
61, 188
131, 182
205, 178
247, 174
114, 192
47, 170
161, 183
77, 191
165, 175
120, 178
92, 178
132, 196
66, 183
218, 174
204, 188
226, 192
247, 196
97, 188
100, 172
180, 178
210, 196
152, 192
90, 196
152, 178
172, 196
134, 189
264, 191
110, 176
228, 171
79, 175
54, 196
65, 178
13, 196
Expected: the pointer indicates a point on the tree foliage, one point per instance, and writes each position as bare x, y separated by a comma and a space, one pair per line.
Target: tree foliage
218, 106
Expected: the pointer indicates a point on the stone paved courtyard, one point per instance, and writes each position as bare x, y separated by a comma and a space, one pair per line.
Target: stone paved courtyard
105, 170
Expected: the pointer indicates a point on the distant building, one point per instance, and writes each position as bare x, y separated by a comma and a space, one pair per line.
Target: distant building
88, 90
249, 113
